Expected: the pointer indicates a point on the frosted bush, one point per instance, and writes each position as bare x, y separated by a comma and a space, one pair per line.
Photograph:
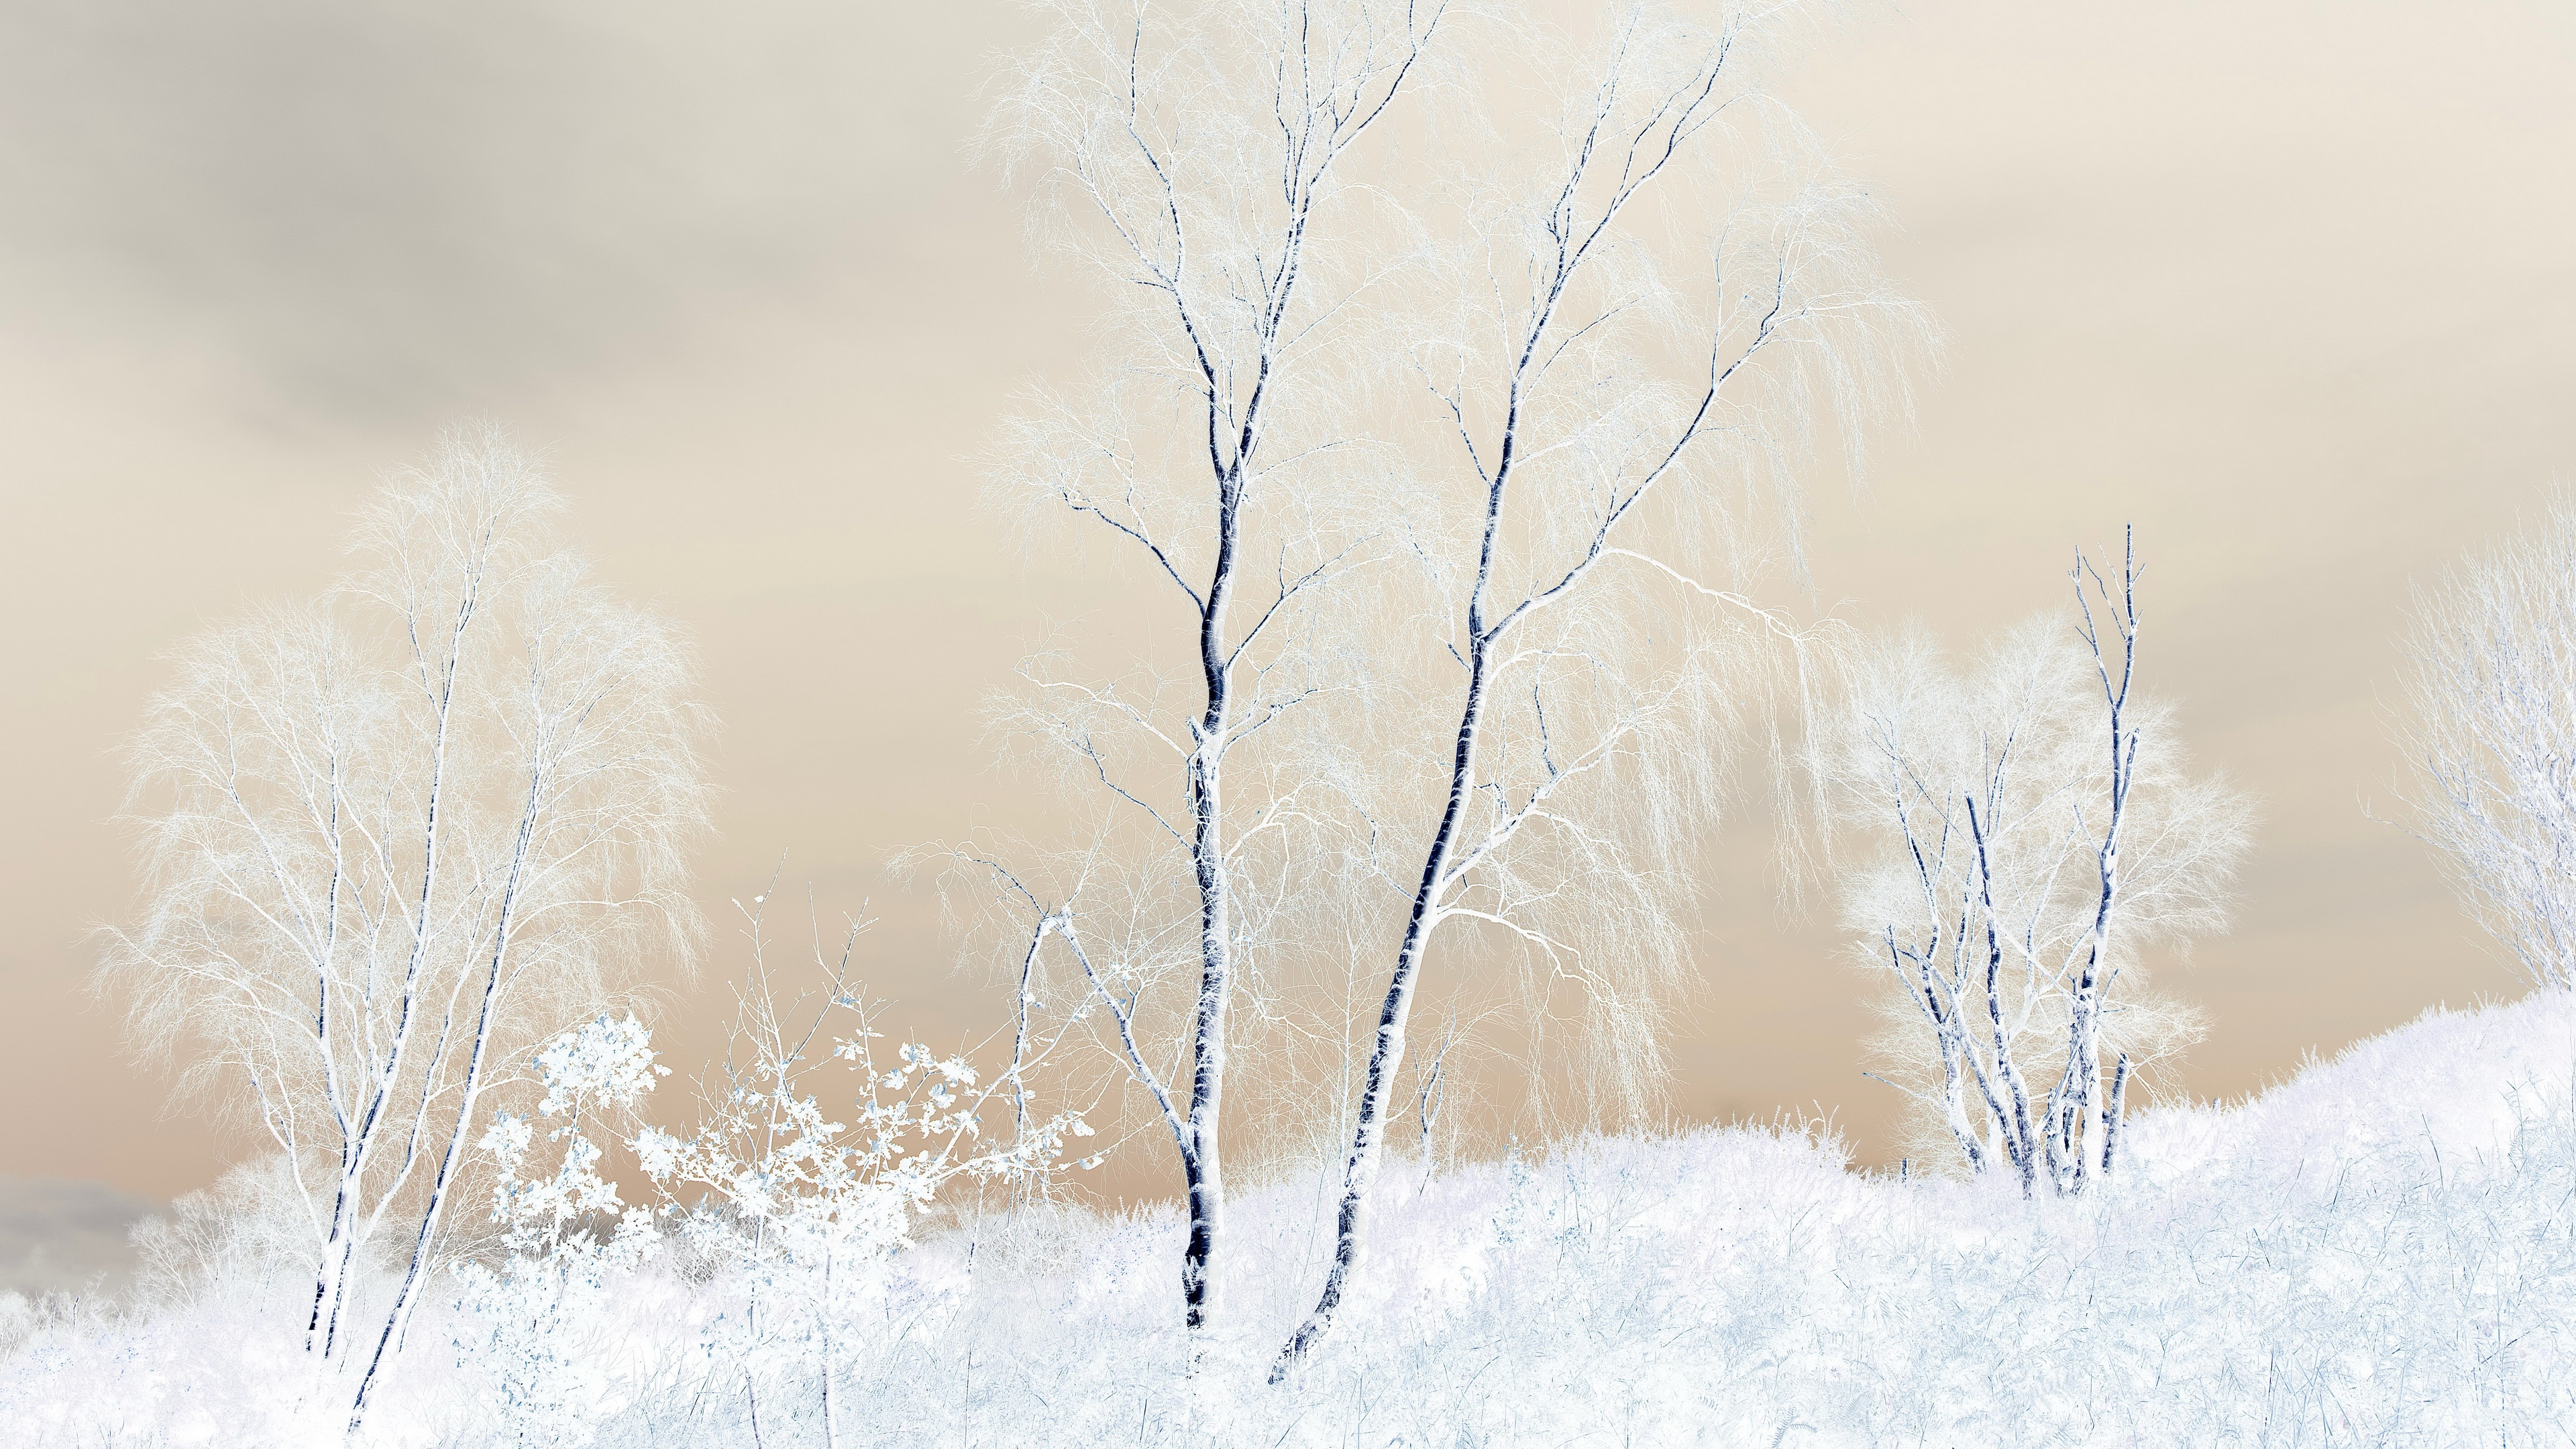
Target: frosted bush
532, 1321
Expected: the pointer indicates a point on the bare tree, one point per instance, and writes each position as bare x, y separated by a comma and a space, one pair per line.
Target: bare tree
400, 833
1621, 432
2036, 829
2489, 729
1199, 151
1467, 690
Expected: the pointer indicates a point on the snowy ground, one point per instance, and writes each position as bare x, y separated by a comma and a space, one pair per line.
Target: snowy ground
2382, 1251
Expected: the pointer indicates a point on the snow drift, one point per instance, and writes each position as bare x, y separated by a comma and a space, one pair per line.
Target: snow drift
2381, 1250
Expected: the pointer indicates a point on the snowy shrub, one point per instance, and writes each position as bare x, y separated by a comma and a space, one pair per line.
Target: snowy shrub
802, 1210
531, 1320
18, 1321
790, 1214
250, 1226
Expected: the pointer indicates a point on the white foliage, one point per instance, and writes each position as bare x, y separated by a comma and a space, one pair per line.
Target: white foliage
528, 1320
2490, 732
794, 1210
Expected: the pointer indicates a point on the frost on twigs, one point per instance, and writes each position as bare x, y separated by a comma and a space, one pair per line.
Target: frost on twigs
557, 1272
2489, 729
604, 1066
794, 1205
779, 1172
793, 1180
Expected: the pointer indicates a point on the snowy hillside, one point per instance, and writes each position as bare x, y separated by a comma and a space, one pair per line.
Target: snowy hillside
2380, 1251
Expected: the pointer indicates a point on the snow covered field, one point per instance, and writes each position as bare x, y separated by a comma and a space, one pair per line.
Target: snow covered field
2381, 1251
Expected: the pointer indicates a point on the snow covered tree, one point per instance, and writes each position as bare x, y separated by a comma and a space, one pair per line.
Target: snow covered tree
2033, 829
1200, 153
1506, 451
398, 834
1623, 423
2489, 729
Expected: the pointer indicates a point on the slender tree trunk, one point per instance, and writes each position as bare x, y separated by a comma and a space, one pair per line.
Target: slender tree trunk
318, 1331
339, 1259
2070, 1145
2111, 1119
337, 1265
751, 1319
1202, 1162
831, 1415
1954, 1090
469, 1094
407, 1297
2018, 1143
337, 1246
2073, 1120
1386, 1056
2016, 1133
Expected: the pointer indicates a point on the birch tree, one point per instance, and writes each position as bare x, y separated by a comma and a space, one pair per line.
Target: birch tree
1624, 439
393, 837
2489, 729
1199, 152
2034, 829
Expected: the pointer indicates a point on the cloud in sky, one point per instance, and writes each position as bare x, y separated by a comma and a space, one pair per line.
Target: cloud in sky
377, 208
59, 1233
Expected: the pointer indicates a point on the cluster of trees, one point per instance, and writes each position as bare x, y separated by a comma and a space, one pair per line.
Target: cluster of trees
1460, 436
2034, 827
402, 841
1489, 455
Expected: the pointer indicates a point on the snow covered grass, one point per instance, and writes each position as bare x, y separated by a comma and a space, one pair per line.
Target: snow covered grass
2381, 1251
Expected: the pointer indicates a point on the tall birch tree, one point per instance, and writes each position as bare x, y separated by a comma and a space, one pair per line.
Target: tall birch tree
1199, 152
1624, 440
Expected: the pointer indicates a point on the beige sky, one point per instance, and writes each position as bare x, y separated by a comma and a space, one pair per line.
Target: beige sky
2289, 285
